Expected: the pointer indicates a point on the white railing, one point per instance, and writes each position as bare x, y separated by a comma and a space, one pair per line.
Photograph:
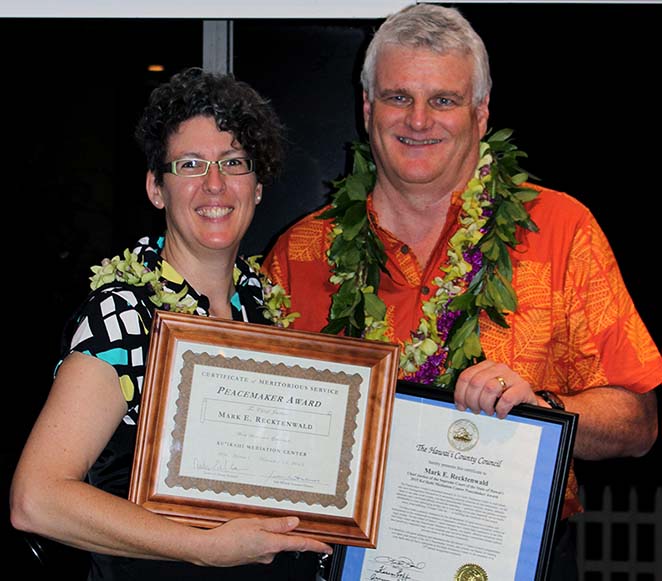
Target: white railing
619, 538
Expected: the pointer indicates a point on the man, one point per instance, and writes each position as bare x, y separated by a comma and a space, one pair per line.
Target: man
447, 214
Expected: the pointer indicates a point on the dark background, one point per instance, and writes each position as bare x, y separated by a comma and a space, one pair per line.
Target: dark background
577, 82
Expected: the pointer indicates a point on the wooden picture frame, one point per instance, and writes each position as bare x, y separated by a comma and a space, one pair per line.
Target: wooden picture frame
239, 419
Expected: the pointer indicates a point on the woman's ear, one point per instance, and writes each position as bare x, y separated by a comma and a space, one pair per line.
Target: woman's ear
258, 194
154, 191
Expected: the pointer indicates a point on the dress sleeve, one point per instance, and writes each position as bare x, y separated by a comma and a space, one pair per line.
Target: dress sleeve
113, 325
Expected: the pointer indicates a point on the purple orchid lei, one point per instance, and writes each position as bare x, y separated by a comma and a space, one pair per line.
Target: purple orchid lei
475, 277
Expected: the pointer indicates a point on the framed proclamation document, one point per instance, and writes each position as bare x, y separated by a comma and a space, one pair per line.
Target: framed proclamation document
467, 497
241, 419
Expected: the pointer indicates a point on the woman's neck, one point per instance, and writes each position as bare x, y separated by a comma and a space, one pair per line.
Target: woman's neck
211, 277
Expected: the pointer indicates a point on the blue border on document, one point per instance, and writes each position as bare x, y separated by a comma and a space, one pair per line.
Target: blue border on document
541, 487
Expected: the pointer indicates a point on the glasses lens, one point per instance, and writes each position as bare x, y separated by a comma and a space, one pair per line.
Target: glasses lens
237, 165
191, 167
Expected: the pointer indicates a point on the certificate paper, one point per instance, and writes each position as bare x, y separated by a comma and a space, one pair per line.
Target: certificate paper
466, 496
239, 419
264, 432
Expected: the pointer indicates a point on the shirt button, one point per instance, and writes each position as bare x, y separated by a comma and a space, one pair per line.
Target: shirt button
404, 249
425, 290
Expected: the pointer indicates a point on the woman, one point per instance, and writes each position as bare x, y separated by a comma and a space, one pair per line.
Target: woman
211, 143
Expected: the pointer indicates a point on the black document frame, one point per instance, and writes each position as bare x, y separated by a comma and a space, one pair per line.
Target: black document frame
560, 428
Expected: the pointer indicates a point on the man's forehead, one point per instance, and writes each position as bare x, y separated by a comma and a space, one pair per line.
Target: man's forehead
416, 65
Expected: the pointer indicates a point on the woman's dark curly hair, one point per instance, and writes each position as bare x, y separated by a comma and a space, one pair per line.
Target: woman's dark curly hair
236, 107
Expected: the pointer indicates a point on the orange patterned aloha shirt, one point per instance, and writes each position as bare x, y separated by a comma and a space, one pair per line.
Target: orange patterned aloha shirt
575, 327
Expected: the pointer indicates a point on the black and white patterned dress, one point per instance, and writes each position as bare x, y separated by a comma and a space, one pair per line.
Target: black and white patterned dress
113, 324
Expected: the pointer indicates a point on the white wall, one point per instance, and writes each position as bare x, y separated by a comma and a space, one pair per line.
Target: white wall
229, 9
210, 9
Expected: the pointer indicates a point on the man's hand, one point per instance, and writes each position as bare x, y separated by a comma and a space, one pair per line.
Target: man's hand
493, 388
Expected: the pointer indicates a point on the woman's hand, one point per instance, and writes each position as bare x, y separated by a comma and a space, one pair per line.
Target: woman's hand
257, 540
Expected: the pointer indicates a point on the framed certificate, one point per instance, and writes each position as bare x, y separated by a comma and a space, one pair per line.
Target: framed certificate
239, 420
466, 496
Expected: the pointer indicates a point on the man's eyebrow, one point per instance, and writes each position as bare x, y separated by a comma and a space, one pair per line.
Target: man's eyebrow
392, 91
453, 95
447, 94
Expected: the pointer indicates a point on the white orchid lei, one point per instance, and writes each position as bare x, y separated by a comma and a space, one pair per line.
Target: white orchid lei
276, 302
476, 277
130, 270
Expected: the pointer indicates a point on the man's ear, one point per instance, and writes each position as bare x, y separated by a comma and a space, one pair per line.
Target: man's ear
367, 111
483, 114
154, 191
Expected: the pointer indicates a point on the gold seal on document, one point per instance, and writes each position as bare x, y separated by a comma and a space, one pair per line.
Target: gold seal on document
470, 572
463, 435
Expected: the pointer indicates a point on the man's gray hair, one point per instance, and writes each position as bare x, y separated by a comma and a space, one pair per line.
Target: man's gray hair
432, 27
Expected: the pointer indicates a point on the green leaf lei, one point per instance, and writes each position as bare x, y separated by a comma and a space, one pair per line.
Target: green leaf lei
476, 278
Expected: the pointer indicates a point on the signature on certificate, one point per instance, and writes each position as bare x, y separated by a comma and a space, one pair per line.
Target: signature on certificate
395, 568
